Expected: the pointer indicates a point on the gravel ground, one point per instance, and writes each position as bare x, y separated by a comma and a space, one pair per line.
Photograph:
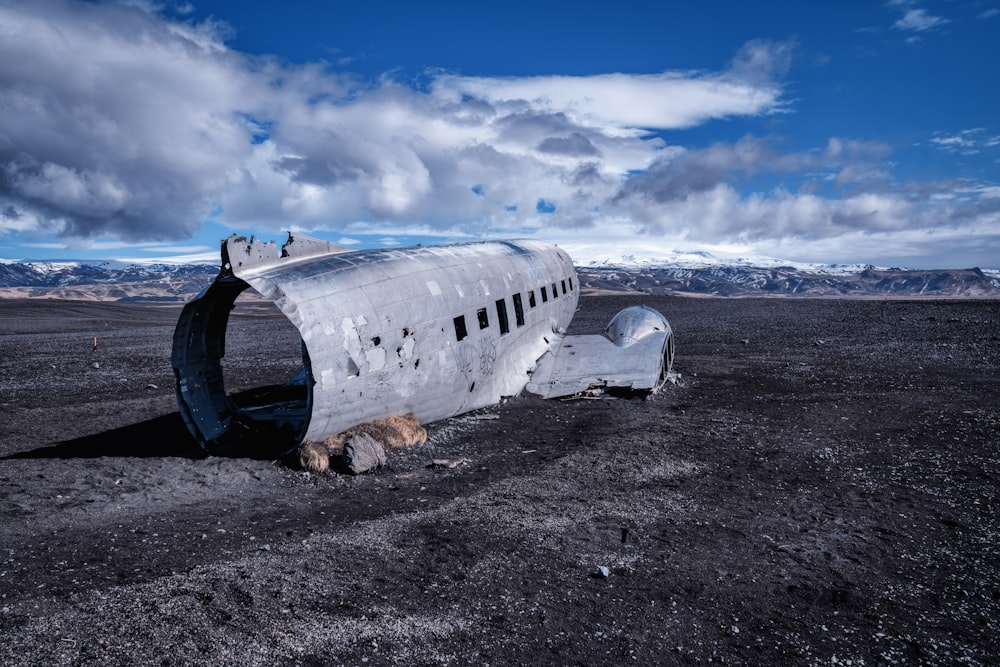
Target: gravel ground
819, 487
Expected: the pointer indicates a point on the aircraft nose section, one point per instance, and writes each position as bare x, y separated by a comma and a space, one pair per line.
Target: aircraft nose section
634, 323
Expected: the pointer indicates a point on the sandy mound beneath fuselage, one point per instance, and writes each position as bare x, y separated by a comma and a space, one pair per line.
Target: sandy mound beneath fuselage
393, 432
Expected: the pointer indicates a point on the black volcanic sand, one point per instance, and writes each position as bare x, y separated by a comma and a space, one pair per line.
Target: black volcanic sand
819, 488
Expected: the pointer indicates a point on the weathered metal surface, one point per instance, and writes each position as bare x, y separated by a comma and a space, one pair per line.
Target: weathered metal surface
436, 331
379, 332
635, 352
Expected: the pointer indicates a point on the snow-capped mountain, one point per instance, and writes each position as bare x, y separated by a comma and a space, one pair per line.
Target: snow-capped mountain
700, 259
702, 273
70, 272
104, 280
694, 273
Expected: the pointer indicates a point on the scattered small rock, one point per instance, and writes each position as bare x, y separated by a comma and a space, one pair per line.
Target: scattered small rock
480, 417
602, 572
95, 364
447, 463
151, 386
362, 453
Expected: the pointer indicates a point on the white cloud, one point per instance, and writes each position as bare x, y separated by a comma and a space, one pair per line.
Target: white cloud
966, 142
131, 124
624, 102
15, 221
179, 249
211, 257
915, 19
46, 246
898, 228
674, 177
115, 121
122, 122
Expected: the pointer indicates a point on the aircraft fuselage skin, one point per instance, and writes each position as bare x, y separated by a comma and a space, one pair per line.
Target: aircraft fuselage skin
436, 331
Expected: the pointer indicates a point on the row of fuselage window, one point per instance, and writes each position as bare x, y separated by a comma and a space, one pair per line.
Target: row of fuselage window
483, 316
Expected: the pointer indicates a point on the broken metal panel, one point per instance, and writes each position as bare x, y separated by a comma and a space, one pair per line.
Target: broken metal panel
238, 253
635, 352
298, 245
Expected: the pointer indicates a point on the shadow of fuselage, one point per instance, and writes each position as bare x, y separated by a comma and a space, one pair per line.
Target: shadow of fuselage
168, 436
158, 437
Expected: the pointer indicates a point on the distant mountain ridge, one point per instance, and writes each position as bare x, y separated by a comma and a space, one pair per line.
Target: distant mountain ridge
708, 276
103, 280
682, 273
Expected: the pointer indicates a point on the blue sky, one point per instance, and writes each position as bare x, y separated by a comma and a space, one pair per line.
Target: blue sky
824, 132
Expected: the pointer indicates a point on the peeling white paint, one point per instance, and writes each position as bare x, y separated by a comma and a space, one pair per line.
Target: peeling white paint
352, 340
375, 358
327, 379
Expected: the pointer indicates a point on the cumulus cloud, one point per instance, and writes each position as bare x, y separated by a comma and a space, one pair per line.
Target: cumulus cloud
116, 120
676, 177
762, 61
669, 100
932, 227
694, 199
915, 19
574, 145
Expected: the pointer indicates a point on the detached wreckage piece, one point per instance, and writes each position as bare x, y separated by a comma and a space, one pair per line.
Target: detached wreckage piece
436, 331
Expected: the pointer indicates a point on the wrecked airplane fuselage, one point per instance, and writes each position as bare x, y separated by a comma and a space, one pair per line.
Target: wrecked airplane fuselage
436, 331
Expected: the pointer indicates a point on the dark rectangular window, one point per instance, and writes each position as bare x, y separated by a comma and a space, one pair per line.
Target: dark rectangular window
531, 298
564, 286
518, 310
555, 292
571, 284
545, 295
460, 330
502, 316
484, 319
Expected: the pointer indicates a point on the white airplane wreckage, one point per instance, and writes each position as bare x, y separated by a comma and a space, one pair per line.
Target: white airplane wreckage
436, 331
